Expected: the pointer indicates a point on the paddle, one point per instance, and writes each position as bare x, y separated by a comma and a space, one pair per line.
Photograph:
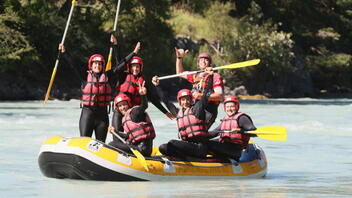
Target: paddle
274, 133
230, 66
108, 64
59, 54
139, 156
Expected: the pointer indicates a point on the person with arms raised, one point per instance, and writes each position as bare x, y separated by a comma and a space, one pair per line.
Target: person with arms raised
96, 93
200, 81
129, 76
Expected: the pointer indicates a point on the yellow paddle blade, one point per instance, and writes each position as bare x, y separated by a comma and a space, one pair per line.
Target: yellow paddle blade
50, 85
241, 64
276, 133
108, 64
140, 158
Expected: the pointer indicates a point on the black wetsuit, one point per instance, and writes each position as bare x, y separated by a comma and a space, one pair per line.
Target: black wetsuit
227, 149
94, 118
194, 147
137, 115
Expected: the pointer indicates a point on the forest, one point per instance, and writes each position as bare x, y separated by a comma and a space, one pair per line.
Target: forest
304, 46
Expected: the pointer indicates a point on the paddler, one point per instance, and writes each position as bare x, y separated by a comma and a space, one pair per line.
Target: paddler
96, 95
200, 81
129, 76
234, 138
191, 123
136, 125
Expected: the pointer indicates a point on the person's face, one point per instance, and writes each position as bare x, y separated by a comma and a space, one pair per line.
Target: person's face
203, 63
122, 107
185, 101
230, 108
135, 69
97, 67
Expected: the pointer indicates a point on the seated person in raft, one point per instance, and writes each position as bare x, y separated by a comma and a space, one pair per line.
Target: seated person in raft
191, 123
234, 125
138, 128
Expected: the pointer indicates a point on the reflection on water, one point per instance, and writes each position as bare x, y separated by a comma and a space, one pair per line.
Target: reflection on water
314, 162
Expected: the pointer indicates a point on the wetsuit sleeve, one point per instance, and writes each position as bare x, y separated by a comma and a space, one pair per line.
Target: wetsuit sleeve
245, 123
217, 128
138, 113
121, 66
199, 107
170, 106
154, 99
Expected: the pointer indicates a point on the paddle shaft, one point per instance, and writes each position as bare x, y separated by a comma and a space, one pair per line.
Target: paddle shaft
231, 66
215, 132
59, 53
108, 64
120, 138
139, 155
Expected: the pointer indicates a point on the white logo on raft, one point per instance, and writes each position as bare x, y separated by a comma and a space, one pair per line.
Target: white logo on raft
94, 146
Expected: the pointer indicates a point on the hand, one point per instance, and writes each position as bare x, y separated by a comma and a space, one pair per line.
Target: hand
207, 71
137, 48
170, 115
155, 81
180, 52
62, 48
111, 129
113, 40
142, 90
197, 95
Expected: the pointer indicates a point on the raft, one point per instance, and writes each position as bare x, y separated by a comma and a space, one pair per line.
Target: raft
89, 159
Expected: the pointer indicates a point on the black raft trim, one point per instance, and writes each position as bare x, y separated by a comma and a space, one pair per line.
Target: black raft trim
60, 165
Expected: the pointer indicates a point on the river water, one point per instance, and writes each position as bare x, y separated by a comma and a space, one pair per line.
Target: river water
315, 161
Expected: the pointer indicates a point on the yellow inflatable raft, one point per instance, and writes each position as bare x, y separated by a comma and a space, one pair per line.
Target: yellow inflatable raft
89, 159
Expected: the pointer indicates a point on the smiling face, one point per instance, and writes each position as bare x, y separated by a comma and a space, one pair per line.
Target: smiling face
185, 101
135, 69
97, 67
122, 107
230, 108
203, 63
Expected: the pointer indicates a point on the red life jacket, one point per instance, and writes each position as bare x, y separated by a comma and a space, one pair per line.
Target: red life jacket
189, 125
200, 83
131, 89
137, 132
229, 123
96, 92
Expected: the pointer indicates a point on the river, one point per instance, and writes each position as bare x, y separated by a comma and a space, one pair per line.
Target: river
315, 161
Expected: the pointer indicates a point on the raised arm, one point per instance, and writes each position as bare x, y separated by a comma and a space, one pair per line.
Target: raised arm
170, 106
199, 107
121, 66
180, 53
69, 60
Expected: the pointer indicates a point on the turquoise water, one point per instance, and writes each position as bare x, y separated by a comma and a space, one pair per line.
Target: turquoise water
316, 161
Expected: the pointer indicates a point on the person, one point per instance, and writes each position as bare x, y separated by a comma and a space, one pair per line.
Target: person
96, 94
234, 125
137, 127
200, 81
130, 75
191, 124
